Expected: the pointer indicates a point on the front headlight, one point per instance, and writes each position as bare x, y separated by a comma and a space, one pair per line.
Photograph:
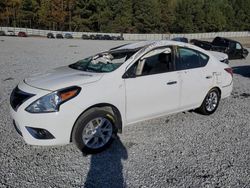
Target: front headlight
52, 101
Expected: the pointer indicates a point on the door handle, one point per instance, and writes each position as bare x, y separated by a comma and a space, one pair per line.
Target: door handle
172, 83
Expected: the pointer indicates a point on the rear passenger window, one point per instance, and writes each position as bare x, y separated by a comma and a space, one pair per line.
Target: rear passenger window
238, 46
203, 59
190, 59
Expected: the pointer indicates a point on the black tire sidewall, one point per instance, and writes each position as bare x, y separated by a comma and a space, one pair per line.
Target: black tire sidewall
82, 122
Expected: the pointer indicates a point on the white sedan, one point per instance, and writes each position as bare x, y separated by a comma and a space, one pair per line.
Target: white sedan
90, 101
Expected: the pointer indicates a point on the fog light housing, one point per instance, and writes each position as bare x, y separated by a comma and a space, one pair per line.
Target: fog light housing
40, 133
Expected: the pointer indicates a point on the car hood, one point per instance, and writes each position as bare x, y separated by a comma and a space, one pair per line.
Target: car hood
219, 55
62, 77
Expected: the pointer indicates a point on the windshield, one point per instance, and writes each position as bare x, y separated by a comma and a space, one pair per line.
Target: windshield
103, 62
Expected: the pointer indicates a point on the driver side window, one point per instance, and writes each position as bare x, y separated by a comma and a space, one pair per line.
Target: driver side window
154, 62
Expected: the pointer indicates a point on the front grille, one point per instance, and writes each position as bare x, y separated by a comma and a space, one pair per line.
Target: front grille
18, 97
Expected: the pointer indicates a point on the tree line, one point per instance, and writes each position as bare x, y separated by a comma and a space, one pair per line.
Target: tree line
128, 16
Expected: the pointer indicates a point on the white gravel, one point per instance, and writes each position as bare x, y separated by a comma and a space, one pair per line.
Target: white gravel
181, 150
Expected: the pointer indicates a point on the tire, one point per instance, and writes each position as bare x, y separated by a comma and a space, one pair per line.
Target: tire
94, 131
244, 56
210, 103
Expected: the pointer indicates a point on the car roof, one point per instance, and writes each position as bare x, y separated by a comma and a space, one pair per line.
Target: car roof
152, 44
145, 46
132, 46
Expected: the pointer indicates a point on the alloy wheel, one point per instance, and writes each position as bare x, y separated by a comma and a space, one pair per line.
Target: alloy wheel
212, 101
97, 132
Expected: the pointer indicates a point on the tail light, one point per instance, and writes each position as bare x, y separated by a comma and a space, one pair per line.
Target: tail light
230, 71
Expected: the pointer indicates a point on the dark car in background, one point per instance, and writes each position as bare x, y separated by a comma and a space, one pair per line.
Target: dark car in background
99, 37
22, 34
59, 36
50, 36
114, 38
2, 33
68, 36
120, 38
92, 37
85, 37
107, 37
232, 48
117, 38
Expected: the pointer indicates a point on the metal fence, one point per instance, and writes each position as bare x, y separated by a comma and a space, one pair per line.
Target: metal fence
135, 37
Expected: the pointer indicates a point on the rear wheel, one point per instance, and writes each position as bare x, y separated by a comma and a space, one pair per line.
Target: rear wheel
94, 131
210, 103
244, 55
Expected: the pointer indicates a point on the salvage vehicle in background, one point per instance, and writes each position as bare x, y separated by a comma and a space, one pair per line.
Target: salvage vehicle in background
222, 57
180, 39
10, 33
85, 37
90, 101
233, 48
59, 36
107, 37
50, 36
68, 36
117, 38
22, 34
2, 33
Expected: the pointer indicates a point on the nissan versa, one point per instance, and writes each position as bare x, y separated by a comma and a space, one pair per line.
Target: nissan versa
90, 101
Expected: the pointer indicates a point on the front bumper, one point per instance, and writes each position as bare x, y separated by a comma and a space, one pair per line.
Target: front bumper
58, 124
17, 128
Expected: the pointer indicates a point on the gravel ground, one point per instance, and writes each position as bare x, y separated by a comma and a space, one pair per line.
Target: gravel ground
181, 150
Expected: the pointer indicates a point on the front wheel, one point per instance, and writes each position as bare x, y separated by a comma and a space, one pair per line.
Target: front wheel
210, 103
94, 131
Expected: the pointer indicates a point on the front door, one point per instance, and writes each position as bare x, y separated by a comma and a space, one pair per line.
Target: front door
155, 88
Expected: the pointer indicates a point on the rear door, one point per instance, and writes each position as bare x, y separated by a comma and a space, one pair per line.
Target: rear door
196, 79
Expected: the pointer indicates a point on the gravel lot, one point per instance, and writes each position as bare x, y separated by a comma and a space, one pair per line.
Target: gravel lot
181, 150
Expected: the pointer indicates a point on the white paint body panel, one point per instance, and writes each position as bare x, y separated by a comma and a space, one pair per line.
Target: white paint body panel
219, 55
137, 99
143, 94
